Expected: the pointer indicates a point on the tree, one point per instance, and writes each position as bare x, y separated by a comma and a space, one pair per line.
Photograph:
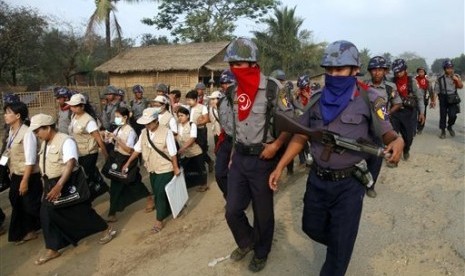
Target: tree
203, 21
365, 57
413, 61
148, 39
283, 45
20, 29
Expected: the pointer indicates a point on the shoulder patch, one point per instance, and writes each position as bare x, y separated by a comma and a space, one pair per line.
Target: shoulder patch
379, 106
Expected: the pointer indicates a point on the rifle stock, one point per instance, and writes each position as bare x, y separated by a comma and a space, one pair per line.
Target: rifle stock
288, 124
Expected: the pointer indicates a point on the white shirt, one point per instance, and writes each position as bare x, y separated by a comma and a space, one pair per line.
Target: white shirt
171, 123
193, 132
131, 137
170, 143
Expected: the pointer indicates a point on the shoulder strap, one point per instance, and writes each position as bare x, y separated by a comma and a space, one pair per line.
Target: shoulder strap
215, 114
45, 154
313, 99
410, 84
156, 149
271, 90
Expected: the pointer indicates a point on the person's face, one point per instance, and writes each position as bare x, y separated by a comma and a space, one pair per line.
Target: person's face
160, 93
240, 64
123, 118
191, 102
421, 73
152, 125
449, 71
377, 75
213, 102
61, 101
224, 86
110, 97
183, 118
401, 74
10, 117
343, 71
77, 109
43, 133
138, 95
201, 92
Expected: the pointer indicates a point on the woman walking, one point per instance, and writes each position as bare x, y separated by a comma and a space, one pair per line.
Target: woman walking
26, 185
58, 165
121, 194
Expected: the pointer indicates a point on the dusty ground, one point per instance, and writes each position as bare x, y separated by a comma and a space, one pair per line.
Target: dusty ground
414, 227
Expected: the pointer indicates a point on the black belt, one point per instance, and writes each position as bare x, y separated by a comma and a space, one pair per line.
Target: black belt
253, 150
332, 175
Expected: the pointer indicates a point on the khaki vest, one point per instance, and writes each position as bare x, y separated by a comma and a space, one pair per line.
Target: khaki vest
195, 114
54, 165
86, 143
16, 153
154, 162
123, 133
184, 136
165, 119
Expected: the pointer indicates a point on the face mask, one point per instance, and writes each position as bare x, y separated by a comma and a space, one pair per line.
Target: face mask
118, 121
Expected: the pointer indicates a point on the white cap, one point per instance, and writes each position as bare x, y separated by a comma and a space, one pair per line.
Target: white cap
148, 115
40, 120
76, 99
216, 95
161, 99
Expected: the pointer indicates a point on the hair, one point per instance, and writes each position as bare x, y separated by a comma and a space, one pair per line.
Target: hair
177, 93
89, 109
18, 108
193, 94
183, 110
123, 111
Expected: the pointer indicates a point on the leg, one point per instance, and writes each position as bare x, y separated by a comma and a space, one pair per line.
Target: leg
159, 182
221, 166
442, 111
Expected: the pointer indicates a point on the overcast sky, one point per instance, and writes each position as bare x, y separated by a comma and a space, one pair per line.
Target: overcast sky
431, 28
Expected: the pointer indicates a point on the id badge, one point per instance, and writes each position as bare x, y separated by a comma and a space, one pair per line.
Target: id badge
4, 160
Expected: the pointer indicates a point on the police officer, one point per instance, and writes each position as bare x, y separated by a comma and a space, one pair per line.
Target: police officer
426, 91
333, 197
378, 68
200, 88
137, 106
224, 145
253, 159
62, 94
405, 119
113, 103
161, 89
446, 86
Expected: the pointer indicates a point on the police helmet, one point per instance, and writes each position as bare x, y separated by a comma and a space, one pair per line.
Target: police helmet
138, 88
399, 65
315, 86
9, 97
111, 90
62, 92
121, 92
303, 81
421, 68
227, 77
447, 63
161, 87
377, 62
340, 53
241, 49
200, 86
278, 74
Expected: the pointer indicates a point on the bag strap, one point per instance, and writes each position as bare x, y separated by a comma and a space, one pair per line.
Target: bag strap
156, 149
270, 90
45, 154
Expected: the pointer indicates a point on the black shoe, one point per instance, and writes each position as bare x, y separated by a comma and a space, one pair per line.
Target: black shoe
451, 131
419, 132
406, 156
239, 253
257, 264
443, 134
371, 193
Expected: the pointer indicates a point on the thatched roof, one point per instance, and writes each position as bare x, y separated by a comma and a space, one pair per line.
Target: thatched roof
167, 57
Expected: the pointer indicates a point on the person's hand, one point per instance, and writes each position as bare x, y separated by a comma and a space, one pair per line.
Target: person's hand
181, 151
394, 150
273, 180
176, 171
421, 118
23, 187
54, 193
269, 151
432, 104
125, 168
455, 77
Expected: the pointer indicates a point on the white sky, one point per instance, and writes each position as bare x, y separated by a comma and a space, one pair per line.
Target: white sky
431, 28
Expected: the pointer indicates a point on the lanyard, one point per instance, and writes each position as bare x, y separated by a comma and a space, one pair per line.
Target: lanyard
13, 137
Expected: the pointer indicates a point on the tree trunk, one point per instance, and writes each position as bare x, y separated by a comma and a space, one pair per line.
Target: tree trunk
108, 34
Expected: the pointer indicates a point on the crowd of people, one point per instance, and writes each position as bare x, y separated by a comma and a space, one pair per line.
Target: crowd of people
44, 155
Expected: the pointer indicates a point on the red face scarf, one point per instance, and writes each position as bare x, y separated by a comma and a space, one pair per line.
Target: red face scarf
422, 82
401, 84
248, 80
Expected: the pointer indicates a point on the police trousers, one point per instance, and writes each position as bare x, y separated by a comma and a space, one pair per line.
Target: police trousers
447, 112
331, 216
248, 181
223, 156
404, 121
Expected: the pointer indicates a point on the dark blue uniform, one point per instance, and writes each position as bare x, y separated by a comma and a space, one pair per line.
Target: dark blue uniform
333, 198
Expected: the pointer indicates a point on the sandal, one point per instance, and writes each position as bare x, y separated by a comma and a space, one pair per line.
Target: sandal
156, 229
42, 260
203, 188
29, 237
110, 233
149, 209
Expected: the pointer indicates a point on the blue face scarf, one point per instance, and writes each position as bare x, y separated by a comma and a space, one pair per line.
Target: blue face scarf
336, 96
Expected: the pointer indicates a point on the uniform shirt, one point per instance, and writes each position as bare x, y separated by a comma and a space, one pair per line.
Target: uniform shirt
108, 113
137, 107
450, 85
64, 119
132, 136
225, 115
417, 93
353, 122
171, 123
29, 145
170, 143
394, 98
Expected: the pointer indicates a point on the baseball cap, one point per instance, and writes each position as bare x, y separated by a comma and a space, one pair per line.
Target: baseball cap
148, 115
161, 99
40, 120
216, 95
77, 99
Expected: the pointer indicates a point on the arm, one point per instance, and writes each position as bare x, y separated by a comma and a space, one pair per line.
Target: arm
55, 192
458, 82
203, 120
133, 157
395, 146
30, 156
96, 135
270, 150
295, 146
186, 145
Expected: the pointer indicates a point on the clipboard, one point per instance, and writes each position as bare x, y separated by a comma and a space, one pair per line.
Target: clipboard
176, 192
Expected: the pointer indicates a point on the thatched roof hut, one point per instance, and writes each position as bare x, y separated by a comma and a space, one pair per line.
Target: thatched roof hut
181, 65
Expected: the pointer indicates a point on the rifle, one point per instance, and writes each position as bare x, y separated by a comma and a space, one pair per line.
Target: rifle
331, 140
